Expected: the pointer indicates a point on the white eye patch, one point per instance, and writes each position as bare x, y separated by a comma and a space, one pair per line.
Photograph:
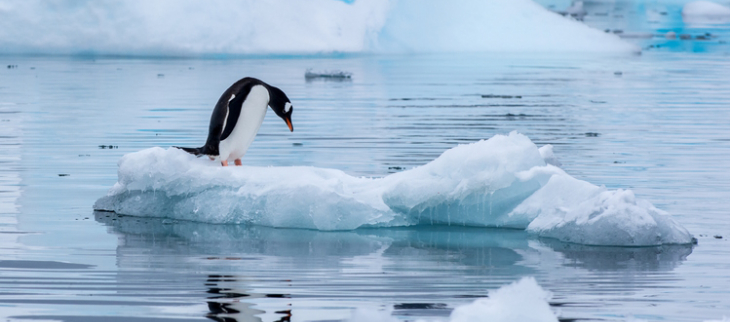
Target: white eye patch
287, 107
232, 97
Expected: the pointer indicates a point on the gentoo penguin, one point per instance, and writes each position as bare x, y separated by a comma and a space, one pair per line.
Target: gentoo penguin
237, 118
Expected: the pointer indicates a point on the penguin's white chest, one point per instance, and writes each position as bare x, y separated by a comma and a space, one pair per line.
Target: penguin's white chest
249, 121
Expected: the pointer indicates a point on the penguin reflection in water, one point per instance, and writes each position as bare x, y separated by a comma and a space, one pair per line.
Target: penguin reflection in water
237, 118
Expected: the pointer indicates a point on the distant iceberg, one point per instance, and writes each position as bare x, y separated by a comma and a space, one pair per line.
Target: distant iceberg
313, 27
705, 12
501, 182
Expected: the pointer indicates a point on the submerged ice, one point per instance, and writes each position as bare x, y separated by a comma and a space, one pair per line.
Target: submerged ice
501, 182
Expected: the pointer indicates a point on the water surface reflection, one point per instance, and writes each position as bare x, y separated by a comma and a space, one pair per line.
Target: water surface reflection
256, 273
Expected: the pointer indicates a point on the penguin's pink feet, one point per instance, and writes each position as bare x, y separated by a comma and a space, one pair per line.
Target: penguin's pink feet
224, 163
237, 162
211, 158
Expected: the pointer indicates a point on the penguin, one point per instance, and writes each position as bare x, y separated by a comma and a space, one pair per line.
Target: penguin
237, 118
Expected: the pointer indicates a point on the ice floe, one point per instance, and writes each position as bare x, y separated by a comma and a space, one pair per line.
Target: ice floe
501, 182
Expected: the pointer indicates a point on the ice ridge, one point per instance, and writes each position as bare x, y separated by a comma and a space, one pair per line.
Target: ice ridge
501, 182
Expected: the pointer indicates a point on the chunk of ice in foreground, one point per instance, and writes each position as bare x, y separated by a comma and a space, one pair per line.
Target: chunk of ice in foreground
523, 301
501, 182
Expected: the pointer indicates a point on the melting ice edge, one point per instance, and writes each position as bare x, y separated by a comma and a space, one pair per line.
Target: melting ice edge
505, 181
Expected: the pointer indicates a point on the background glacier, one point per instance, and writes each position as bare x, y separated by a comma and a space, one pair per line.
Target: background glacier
249, 27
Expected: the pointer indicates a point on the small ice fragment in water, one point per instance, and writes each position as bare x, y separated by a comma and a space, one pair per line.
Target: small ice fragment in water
331, 74
506, 304
671, 35
501, 96
509, 304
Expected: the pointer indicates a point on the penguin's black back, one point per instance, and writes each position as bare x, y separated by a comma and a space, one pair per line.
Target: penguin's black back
216, 132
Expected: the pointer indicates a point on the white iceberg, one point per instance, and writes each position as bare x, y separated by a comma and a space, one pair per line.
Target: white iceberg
705, 12
501, 182
250, 27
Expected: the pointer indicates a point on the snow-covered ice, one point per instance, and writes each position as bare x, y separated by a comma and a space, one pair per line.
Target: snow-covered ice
523, 301
501, 182
703, 11
220, 27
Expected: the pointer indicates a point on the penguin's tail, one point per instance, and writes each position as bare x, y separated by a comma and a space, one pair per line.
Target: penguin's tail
198, 152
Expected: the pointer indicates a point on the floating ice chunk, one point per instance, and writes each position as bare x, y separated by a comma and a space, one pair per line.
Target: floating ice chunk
327, 74
501, 182
706, 12
523, 300
475, 184
506, 304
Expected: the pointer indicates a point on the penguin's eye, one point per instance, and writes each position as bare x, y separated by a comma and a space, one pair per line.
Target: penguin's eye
287, 107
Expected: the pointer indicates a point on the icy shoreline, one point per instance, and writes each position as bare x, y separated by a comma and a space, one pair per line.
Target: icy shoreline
501, 182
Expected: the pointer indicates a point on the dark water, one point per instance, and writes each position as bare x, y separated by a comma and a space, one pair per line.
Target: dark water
656, 123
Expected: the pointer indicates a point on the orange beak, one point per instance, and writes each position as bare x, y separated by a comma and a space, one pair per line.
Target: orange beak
288, 123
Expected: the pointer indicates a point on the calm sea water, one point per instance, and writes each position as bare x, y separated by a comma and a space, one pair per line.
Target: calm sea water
656, 123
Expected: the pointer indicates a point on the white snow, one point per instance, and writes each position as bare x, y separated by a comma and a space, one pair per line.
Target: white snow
706, 12
221, 27
501, 182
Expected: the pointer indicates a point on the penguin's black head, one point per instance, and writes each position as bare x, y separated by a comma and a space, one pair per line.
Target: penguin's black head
279, 102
